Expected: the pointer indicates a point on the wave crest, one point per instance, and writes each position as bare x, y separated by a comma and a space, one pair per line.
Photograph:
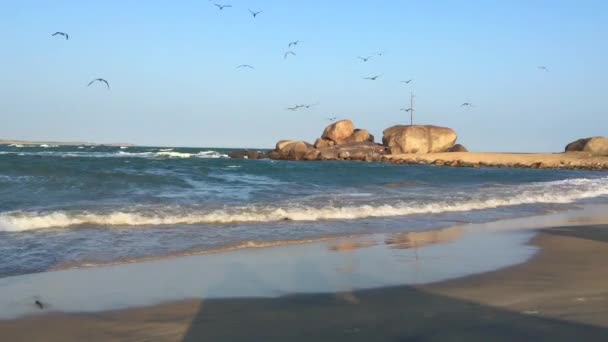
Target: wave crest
566, 191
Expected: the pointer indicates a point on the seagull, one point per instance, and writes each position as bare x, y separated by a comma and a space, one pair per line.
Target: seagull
99, 80
380, 54
289, 53
467, 104
221, 7
255, 14
364, 59
406, 109
332, 118
39, 304
295, 107
294, 43
308, 106
544, 68
407, 82
67, 37
372, 78
245, 66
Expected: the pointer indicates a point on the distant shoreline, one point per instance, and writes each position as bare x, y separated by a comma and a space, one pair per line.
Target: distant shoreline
59, 143
569, 160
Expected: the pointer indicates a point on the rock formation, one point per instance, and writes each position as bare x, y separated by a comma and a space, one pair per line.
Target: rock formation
594, 145
418, 139
339, 141
458, 148
339, 131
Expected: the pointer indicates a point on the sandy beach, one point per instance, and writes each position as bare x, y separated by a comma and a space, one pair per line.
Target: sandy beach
560, 294
570, 160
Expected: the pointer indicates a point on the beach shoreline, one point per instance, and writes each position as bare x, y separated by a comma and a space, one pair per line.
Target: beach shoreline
556, 294
567, 161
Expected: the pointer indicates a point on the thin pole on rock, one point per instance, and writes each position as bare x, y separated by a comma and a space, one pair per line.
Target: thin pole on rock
411, 109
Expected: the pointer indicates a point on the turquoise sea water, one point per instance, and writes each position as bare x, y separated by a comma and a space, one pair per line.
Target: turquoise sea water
70, 206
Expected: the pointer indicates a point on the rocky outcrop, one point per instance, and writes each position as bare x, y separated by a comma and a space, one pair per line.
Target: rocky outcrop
360, 135
292, 150
246, 154
594, 145
339, 131
340, 141
458, 148
320, 143
402, 139
363, 151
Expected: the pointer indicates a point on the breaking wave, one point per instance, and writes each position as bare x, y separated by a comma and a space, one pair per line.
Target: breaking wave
566, 191
124, 154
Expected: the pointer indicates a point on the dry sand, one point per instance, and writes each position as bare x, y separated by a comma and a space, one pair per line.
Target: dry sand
571, 160
561, 294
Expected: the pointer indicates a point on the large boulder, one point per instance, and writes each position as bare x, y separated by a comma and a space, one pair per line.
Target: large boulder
360, 135
458, 148
418, 139
339, 131
282, 143
294, 150
320, 143
594, 145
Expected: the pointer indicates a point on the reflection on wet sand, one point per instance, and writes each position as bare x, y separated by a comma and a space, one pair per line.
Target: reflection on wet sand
350, 245
421, 239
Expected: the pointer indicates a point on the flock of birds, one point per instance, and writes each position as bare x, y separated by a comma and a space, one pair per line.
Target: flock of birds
288, 53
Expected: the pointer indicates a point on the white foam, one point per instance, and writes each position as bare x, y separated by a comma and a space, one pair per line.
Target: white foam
173, 154
122, 153
566, 191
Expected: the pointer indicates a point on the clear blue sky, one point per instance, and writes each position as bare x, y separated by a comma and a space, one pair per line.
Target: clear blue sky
171, 65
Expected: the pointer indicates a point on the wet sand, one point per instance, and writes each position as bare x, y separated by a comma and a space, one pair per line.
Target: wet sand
560, 294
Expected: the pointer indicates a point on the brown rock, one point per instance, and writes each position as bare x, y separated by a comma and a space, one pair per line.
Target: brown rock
312, 154
282, 143
320, 143
293, 150
418, 139
360, 135
328, 153
344, 155
339, 131
594, 145
458, 148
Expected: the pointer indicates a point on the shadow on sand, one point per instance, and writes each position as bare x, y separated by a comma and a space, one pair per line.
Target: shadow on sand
389, 314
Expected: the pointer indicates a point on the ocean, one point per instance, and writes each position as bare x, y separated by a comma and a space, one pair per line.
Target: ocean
80, 206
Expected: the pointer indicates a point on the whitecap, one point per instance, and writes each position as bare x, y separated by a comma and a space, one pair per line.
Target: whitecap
566, 191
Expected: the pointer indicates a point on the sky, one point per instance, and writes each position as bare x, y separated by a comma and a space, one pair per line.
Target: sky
174, 82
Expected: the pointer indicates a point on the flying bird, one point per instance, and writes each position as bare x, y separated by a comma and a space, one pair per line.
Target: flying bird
294, 43
364, 59
332, 118
99, 80
544, 68
406, 109
372, 78
67, 37
467, 104
245, 66
296, 107
407, 82
289, 53
255, 14
308, 106
380, 54
39, 304
221, 7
